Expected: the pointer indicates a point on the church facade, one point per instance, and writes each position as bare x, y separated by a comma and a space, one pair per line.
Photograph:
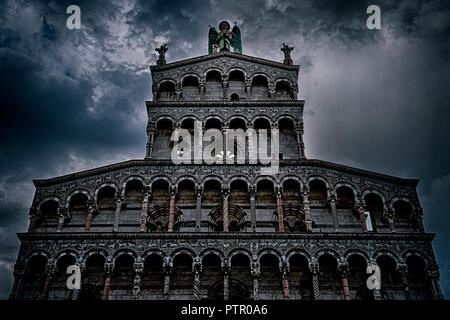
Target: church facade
152, 229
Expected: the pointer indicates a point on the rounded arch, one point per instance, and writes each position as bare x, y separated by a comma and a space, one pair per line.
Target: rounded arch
239, 117
165, 117
328, 251
166, 80
260, 74
213, 116
318, 177
239, 178
131, 178
348, 185
269, 251
42, 253
130, 252
179, 251
193, 117
67, 252
242, 251
300, 252
284, 79
385, 252
208, 70
160, 177
151, 252
187, 177
357, 252
56, 199
236, 69
86, 192
269, 178
95, 251
287, 177
261, 116
212, 177
401, 198
374, 191
416, 253
212, 251
286, 116
103, 185
190, 74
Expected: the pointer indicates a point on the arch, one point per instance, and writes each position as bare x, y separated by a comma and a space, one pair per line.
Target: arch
151, 252
103, 185
281, 79
269, 251
385, 252
236, 69
260, 74
402, 198
318, 177
261, 116
190, 74
416, 253
187, 177
269, 178
165, 117
242, 251
212, 251
328, 251
43, 253
122, 252
212, 177
93, 251
86, 192
348, 185
160, 82
212, 69
131, 178
56, 199
286, 116
67, 252
358, 252
179, 251
189, 117
374, 191
296, 178
238, 177
301, 252
161, 177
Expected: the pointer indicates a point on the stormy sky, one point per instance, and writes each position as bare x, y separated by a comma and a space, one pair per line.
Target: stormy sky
72, 100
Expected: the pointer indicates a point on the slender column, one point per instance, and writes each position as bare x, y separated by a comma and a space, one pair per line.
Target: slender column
108, 272
49, 272
138, 270
151, 131
198, 211
196, 270
61, 219
284, 268
168, 268
343, 272
225, 86
252, 191
248, 88
144, 212
226, 277
306, 208
272, 90
433, 275
314, 268
172, 194
92, 209
332, 197
300, 144
202, 88
295, 92
403, 268
280, 209
226, 194
255, 273
362, 216
178, 91
119, 201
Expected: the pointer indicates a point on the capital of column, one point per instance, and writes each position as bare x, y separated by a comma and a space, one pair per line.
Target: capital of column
314, 267
255, 269
50, 268
197, 266
343, 269
199, 191
108, 267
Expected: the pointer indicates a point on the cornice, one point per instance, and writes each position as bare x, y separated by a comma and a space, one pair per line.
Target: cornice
221, 103
229, 54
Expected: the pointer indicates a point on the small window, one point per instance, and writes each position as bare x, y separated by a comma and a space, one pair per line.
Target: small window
234, 97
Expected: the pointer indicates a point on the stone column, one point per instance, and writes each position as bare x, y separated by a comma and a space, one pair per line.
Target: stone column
279, 209
226, 277
226, 194
151, 132
168, 268
61, 218
361, 207
343, 272
295, 92
172, 194
119, 202
144, 211
248, 88
306, 208
92, 210
178, 91
389, 216
202, 86
314, 268
403, 268
255, 273
300, 144
138, 270
198, 210
19, 273
49, 272
332, 197
284, 269
196, 270
108, 272
33, 217
433, 275
252, 192
272, 90
225, 86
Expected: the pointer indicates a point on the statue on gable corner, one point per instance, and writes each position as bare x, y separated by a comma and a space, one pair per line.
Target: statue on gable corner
162, 55
225, 39
287, 54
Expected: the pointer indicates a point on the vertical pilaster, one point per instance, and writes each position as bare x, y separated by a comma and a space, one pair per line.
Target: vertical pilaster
226, 279
168, 268
196, 270
172, 195
119, 202
202, 86
61, 218
151, 132
403, 268
138, 270
108, 273
279, 194
49, 272
198, 209
92, 209
248, 88
433, 275
252, 192
343, 272
306, 208
226, 194
389, 216
314, 268
361, 208
271, 90
33, 216
300, 144
144, 211
284, 269
255, 273
225, 86
332, 201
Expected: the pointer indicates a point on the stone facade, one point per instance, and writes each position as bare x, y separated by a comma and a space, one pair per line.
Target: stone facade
150, 229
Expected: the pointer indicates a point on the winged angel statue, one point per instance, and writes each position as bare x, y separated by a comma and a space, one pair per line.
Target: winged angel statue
224, 39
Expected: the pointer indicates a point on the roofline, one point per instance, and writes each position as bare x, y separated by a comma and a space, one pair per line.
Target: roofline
222, 103
305, 162
206, 57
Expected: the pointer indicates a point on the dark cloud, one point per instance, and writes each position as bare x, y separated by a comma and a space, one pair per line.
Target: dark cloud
74, 99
